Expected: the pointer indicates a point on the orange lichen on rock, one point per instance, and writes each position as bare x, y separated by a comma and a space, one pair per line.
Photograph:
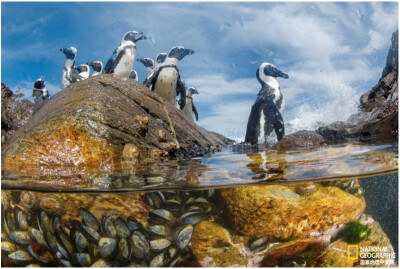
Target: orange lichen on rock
63, 146
277, 211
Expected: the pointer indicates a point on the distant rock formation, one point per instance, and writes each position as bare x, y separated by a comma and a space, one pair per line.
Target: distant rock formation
378, 115
14, 114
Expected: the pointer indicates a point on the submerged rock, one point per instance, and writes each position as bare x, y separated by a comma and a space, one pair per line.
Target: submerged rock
278, 212
91, 121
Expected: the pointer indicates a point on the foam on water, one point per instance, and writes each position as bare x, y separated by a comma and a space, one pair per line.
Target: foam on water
337, 104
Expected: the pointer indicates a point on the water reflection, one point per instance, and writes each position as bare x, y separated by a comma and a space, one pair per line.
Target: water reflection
225, 168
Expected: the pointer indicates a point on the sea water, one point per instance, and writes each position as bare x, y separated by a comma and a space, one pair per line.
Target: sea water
146, 215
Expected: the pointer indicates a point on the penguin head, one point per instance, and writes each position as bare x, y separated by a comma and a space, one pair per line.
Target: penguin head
82, 68
133, 36
179, 52
39, 83
161, 58
148, 62
269, 70
70, 53
134, 75
97, 66
191, 91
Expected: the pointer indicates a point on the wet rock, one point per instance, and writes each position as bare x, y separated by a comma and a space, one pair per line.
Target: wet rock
89, 123
213, 246
336, 255
301, 139
278, 212
130, 152
14, 114
378, 115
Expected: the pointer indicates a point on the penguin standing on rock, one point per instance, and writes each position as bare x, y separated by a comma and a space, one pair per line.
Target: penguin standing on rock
166, 80
149, 64
133, 75
69, 74
39, 90
83, 71
123, 58
189, 108
97, 67
266, 113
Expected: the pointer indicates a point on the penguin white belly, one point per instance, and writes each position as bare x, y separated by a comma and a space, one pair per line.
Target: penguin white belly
66, 75
187, 110
261, 138
125, 65
166, 84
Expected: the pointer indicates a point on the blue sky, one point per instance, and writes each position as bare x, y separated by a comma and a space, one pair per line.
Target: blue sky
333, 52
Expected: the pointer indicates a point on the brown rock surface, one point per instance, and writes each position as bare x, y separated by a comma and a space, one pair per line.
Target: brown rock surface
301, 139
89, 123
213, 246
278, 212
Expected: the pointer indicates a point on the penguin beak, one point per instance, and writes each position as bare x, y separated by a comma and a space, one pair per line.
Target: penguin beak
189, 52
139, 36
279, 73
195, 92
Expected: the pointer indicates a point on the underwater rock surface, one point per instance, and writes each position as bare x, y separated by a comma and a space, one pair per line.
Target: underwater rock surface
91, 121
279, 212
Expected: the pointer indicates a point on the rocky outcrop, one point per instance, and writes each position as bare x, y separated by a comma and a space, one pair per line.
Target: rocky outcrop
378, 115
279, 212
301, 139
90, 122
14, 113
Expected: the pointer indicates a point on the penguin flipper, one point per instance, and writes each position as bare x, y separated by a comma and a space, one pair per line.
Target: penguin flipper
195, 112
253, 124
181, 89
110, 65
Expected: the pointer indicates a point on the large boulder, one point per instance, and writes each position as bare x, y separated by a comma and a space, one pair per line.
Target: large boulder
90, 122
280, 212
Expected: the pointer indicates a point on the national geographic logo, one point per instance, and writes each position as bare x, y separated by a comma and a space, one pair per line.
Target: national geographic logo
371, 255
352, 252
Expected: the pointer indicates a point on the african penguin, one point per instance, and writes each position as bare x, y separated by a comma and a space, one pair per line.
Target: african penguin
123, 58
149, 64
38, 87
69, 74
189, 108
166, 79
266, 113
161, 58
83, 70
97, 67
134, 75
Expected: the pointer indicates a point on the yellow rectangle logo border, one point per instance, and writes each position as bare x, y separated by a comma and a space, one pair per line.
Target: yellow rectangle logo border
348, 252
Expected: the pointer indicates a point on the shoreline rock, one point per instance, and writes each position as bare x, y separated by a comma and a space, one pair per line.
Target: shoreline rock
91, 121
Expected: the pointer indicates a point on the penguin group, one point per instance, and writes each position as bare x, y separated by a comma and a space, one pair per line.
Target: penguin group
164, 78
163, 75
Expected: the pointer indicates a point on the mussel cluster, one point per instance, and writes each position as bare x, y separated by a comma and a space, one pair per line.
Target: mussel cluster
40, 239
348, 185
